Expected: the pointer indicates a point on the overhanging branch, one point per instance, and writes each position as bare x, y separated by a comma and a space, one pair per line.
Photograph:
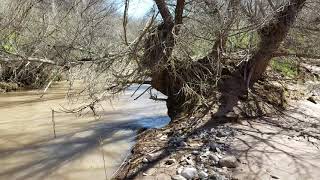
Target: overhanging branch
31, 59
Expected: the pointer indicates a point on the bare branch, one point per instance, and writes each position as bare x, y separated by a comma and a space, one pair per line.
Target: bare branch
125, 21
165, 13
179, 12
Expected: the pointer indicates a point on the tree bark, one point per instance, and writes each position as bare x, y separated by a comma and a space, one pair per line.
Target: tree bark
248, 72
158, 50
159, 46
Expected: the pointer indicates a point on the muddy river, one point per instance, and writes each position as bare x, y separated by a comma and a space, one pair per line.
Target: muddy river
85, 147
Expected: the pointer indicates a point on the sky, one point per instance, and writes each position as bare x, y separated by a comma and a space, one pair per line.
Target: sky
138, 8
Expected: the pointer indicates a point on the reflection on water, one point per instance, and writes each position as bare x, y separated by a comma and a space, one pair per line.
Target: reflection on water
29, 151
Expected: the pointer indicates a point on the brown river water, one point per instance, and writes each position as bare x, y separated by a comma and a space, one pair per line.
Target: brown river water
85, 147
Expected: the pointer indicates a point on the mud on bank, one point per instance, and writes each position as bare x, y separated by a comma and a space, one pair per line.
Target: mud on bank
279, 144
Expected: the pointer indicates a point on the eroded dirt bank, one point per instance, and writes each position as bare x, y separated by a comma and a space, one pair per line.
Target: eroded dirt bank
282, 145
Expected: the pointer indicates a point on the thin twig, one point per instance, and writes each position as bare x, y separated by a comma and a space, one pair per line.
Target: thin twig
142, 93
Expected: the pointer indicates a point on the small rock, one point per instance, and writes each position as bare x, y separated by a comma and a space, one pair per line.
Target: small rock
163, 176
214, 163
202, 159
170, 161
178, 177
177, 139
213, 146
219, 170
200, 166
235, 178
145, 160
164, 137
211, 172
183, 163
216, 177
228, 161
214, 157
189, 161
221, 133
144, 174
205, 149
195, 152
274, 177
311, 99
195, 144
153, 156
151, 171
179, 170
206, 153
203, 175
314, 125
189, 172
183, 144
218, 150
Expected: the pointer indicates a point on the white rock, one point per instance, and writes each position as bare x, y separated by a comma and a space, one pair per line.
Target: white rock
205, 149
178, 177
214, 157
218, 150
200, 166
206, 153
228, 161
213, 145
145, 160
163, 176
203, 175
179, 170
153, 156
219, 156
164, 137
190, 161
203, 158
195, 152
183, 144
189, 172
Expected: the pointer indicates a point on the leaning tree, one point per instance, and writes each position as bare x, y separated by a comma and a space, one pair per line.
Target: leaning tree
189, 81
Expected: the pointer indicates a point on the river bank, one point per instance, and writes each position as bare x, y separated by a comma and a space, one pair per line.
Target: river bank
277, 145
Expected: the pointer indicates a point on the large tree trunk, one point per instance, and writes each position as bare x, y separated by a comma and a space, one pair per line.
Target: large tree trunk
160, 43
158, 50
271, 35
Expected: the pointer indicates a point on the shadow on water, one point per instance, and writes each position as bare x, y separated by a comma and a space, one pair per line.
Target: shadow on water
65, 148
27, 147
